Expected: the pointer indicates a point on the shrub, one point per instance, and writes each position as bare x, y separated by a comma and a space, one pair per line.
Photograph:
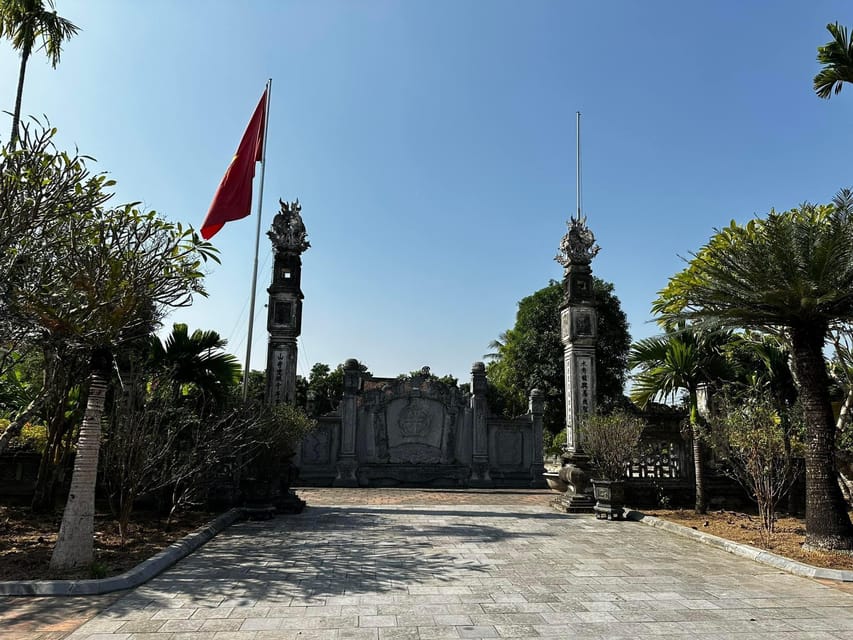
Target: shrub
749, 434
611, 441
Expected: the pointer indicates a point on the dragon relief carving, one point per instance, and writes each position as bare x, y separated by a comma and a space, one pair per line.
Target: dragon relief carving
578, 245
288, 232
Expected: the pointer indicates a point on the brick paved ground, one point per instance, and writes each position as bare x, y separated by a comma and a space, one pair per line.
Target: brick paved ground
390, 564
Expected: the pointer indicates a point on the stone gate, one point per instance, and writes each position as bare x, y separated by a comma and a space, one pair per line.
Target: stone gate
418, 431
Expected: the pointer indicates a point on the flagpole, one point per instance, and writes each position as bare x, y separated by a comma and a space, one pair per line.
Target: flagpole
578, 126
257, 246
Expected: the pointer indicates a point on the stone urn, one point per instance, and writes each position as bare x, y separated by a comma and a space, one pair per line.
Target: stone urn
609, 499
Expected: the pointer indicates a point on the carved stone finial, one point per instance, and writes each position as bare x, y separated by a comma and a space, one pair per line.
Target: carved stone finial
288, 233
578, 245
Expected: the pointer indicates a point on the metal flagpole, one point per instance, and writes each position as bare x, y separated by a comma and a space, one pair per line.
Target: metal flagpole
579, 164
257, 246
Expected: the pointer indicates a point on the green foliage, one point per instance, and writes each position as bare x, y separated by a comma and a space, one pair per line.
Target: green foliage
33, 437
326, 387
750, 436
26, 22
447, 380
789, 273
194, 364
281, 427
98, 570
557, 444
530, 355
836, 56
681, 359
781, 270
611, 441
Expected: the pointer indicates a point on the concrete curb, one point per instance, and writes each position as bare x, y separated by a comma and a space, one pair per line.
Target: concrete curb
129, 579
744, 550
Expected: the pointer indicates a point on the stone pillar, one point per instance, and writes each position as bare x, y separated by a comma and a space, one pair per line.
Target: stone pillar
537, 466
347, 462
284, 310
578, 323
479, 410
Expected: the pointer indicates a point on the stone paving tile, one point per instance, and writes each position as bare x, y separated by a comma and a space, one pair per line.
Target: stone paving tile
408, 565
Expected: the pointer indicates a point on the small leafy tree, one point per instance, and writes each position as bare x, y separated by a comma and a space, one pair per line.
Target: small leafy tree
126, 268
749, 434
611, 441
41, 188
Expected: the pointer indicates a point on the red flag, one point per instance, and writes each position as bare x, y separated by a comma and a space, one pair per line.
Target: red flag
233, 198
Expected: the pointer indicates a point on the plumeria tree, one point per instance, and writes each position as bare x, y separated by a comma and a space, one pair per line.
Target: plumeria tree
125, 269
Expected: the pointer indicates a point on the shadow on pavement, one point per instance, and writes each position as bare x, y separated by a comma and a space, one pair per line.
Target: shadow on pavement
328, 551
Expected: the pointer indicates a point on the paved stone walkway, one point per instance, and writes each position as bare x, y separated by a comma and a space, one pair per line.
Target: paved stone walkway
430, 566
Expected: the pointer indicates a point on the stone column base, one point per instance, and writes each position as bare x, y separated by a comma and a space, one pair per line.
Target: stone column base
346, 473
575, 472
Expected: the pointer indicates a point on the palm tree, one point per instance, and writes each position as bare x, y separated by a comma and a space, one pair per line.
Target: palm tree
682, 359
24, 23
790, 272
497, 345
837, 58
196, 360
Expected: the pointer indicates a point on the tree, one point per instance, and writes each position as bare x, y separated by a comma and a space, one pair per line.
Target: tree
24, 23
195, 361
836, 56
326, 387
790, 272
125, 269
40, 188
749, 434
682, 359
530, 355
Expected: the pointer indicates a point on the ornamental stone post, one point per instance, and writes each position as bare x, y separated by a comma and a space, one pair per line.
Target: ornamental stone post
578, 323
536, 408
284, 311
347, 462
480, 476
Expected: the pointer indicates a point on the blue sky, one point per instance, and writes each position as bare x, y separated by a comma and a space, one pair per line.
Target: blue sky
432, 145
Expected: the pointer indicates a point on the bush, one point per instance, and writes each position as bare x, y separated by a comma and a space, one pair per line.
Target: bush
33, 437
749, 433
611, 441
557, 444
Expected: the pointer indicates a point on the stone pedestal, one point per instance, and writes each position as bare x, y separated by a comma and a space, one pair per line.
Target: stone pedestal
575, 472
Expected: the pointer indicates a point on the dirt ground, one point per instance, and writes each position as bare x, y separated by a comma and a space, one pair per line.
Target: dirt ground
787, 540
27, 540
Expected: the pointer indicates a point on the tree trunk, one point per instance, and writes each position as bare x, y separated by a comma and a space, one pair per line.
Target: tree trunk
16, 115
827, 523
698, 453
75, 544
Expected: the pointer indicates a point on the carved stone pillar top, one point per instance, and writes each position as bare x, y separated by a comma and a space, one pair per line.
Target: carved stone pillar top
537, 402
288, 233
578, 245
